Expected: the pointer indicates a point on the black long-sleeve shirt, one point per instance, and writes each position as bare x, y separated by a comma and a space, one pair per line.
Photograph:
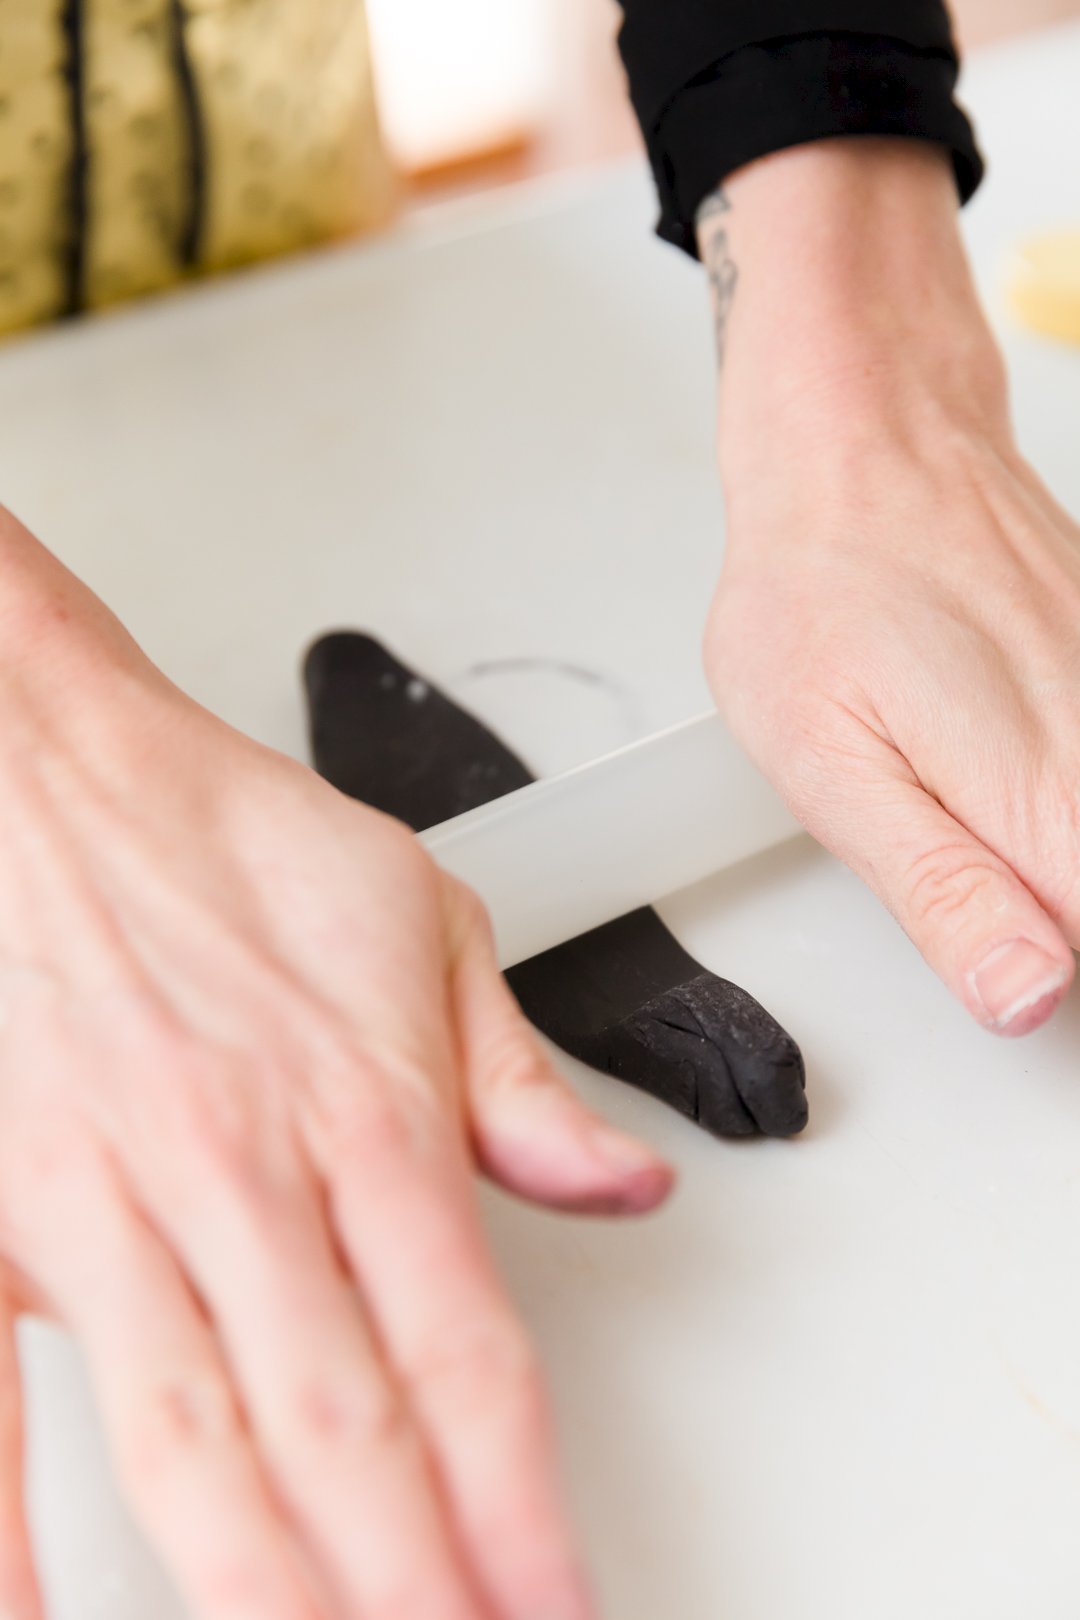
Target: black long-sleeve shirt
717, 83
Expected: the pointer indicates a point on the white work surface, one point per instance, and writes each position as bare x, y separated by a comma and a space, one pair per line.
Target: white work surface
839, 1377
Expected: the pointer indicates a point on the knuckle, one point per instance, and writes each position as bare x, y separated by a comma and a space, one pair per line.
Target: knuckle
479, 1364
324, 1418
223, 1170
943, 884
390, 1114
54, 1156
180, 1421
512, 1061
411, 861
220, 1147
469, 916
54, 1177
473, 910
227, 1132
820, 737
367, 1133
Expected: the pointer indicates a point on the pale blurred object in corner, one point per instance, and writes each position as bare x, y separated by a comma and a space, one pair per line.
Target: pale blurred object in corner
461, 81
1043, 284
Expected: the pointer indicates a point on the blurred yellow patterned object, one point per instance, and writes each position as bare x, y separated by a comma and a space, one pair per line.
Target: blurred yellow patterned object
1043, 284
142, 141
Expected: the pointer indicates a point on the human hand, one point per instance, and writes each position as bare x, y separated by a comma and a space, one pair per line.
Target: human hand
252, 1042
894, 638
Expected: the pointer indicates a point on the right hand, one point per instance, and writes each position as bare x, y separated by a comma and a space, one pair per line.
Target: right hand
252, 1043
894, 637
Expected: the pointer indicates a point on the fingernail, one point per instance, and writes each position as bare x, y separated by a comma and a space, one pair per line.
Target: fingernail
1013, 982
644, 1179
622, 1154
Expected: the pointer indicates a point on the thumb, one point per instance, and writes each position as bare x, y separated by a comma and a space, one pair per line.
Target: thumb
531, 1134
978, 926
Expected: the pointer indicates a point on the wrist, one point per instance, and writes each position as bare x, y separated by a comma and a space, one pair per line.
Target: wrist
845, 290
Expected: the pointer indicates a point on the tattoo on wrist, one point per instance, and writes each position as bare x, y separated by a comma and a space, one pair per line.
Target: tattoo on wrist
712, 229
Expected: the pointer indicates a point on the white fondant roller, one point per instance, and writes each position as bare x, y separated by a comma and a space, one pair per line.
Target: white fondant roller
567, 854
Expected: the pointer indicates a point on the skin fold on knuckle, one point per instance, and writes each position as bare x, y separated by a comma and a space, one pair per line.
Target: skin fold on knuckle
182, 1424
946, 894
41, 1165
371, 1139
324, 1425
467, 917
825, 779
511, 1063
403, 858
477, 1368
347, 1102
230, 1143
793, 722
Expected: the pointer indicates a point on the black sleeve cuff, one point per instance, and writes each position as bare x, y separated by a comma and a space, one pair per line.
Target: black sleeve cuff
762, 98
667, 43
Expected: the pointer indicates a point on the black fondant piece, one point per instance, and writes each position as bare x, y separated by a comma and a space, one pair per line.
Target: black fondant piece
382, 734
625, 998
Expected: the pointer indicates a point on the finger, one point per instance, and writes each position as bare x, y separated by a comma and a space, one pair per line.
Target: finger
530, 1132
20, 1598
975, 922
179, 1438
403, 1203
345, 1456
